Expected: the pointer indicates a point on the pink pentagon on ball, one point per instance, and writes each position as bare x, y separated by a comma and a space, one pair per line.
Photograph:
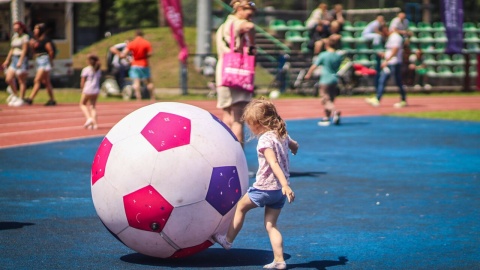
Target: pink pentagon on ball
185, 252
100, 160
166, 131
146, 209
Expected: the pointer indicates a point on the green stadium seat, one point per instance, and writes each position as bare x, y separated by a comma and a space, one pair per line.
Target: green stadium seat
295, 25
361, 47
458, 71
469, 27
347, 36
294, 36
412, 27
361, 59
440, 37
427, 47
425, 37
444, 59
347, 26
358, 37
473, 47
444, 72
471, 37
473, 71
346, 46
440, 47
431, 72
424, 26
473, 59
304, 47
458, 59
278, 25
438, 26
429, 59
359, 25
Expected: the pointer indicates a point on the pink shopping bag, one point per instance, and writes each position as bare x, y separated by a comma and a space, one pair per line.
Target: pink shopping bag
238, 70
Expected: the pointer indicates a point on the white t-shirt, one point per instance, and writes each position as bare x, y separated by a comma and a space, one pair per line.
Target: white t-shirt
17, 43
92, 80
116, 60
396, 23
394, 41
266, 179
372, 27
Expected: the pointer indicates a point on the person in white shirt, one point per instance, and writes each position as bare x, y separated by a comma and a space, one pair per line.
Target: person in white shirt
371, 32
391, 64
400, 25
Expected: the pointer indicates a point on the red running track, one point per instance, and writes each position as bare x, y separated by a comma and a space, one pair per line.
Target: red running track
38, 124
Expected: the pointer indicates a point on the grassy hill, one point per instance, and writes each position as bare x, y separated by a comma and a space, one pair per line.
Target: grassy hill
164, 63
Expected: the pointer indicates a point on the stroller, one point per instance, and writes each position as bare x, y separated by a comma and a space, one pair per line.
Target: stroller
351, 74
116, 82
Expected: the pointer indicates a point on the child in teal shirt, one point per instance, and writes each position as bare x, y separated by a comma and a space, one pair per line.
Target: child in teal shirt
330, 61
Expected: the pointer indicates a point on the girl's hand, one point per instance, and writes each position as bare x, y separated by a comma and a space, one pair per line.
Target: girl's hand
286, 190
5, 64
293, 145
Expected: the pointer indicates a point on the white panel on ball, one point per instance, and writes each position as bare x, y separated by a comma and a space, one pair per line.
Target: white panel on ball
131, 124
182, 109
148, 243
192, 224
130, 164
109, 206
181, 175
214, 141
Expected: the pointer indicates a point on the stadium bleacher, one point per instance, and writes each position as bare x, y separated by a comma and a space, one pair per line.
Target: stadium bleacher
429, 37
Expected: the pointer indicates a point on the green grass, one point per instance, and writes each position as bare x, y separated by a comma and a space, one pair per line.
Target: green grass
461, 115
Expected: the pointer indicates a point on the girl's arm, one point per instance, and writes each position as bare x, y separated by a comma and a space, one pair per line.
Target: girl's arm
7, 60
50, 51
293, 145
82, 82
310, 71
273, 162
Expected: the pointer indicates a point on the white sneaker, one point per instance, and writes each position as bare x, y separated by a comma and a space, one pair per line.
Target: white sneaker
16, 102
9, 98
400, 104
336, 118
222, 240
88, 123
276, 265
373, 101
325, 122
12, 100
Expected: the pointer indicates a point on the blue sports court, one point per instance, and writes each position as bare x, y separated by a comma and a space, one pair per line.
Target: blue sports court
373, 193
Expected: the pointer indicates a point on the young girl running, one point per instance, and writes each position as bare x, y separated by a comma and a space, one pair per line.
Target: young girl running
271, 188
90, 84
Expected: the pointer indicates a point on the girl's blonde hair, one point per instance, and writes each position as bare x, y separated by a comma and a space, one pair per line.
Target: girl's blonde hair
262, 112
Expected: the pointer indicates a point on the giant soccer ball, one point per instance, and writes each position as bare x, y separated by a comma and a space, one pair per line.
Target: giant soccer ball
166, 178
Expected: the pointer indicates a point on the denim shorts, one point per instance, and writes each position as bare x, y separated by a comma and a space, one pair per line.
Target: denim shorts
43, 62
19, 70
271, 198
136, 72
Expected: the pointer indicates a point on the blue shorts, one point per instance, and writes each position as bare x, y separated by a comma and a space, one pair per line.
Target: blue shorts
271, 198
19, 70
136, 72
43, 62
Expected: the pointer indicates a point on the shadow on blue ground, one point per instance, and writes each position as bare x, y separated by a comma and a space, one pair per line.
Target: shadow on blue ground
384, 192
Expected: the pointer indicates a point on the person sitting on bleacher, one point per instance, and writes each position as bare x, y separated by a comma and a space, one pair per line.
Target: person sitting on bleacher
318, 14
400, 25
337, 14
372, 32
317, 43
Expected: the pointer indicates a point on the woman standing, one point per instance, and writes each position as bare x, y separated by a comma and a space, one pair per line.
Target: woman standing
233, 101
43, 49
17, 64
